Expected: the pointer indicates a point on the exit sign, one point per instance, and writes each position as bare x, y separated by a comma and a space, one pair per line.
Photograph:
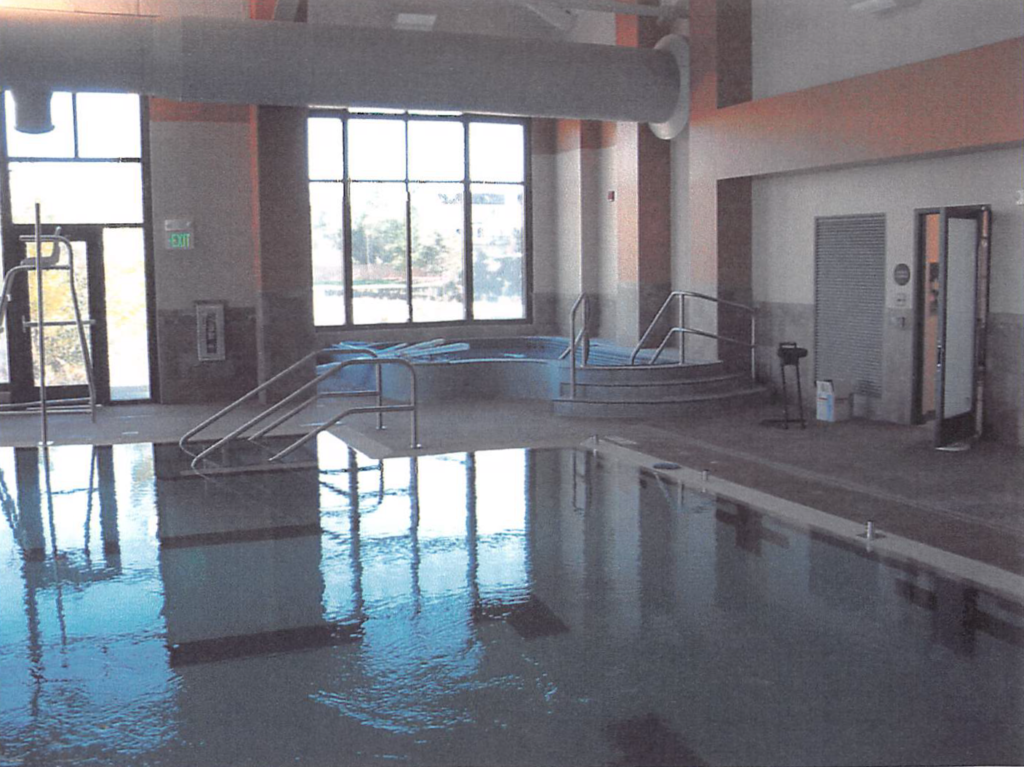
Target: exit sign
178, 234
179, 240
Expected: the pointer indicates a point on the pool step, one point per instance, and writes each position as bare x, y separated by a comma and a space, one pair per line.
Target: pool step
657, 407
617, 374
630, 388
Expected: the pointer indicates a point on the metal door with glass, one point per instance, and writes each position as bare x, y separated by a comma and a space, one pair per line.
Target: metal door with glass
964, 234
110, 282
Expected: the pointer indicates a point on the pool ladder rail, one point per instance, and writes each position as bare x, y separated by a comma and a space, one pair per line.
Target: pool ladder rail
303, 397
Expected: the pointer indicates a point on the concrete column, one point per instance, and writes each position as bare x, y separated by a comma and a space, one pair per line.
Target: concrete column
284, 281
643, 201
720, 211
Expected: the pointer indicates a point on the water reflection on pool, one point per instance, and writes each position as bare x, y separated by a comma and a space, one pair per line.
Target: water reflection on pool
503, 607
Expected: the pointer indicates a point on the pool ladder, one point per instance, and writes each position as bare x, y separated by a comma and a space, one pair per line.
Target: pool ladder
304, 398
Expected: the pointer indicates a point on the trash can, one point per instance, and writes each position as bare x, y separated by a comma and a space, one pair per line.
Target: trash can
833, 401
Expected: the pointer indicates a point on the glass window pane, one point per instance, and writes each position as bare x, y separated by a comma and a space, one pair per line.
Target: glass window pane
437, 252
326, 203
436, 150
377, 149
498, 223
496, 152
65, 365
77, 193
109, 125
379, 290
326, 149
60, 142
124, 276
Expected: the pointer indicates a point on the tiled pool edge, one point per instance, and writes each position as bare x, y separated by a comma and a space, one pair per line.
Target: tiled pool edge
1005, 584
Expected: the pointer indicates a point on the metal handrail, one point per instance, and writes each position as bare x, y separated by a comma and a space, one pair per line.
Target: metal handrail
574, 341
705, 334
253, 392
681, 328
380, 409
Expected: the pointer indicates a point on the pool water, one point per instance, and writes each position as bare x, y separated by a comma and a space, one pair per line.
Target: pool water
500, 607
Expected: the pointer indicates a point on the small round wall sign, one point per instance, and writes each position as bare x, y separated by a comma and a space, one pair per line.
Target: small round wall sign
901, 274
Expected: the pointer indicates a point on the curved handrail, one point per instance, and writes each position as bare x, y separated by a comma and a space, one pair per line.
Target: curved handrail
244, 398
410, 407
705, 334
574, 340
681, 295
334, 367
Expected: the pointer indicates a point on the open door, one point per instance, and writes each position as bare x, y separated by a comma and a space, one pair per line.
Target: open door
964, 235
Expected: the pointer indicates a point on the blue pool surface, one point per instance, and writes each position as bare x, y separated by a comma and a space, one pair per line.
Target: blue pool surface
507, 607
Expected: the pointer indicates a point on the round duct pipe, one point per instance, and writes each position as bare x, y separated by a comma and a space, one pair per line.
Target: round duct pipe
32, 110
263, 62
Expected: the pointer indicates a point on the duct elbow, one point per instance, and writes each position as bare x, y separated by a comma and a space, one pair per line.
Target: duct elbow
32, 109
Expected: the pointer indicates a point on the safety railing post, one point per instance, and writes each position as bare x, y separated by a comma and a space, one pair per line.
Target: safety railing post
380, 396
44, 441
682, 324
753, 348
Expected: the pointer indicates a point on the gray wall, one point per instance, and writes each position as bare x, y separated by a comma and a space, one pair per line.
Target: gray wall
783, 261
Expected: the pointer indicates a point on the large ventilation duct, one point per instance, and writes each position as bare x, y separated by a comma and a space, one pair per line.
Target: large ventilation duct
32, 110
266, 62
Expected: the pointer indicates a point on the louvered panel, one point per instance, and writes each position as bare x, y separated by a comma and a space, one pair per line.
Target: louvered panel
849, 300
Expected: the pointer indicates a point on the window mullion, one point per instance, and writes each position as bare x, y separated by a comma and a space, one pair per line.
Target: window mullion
346, 224
467, 225
408, 229
74, 122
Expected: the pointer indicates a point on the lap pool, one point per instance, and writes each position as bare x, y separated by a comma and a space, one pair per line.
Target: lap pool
512, 607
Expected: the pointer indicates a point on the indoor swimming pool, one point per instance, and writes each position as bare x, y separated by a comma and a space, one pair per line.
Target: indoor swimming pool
505, 607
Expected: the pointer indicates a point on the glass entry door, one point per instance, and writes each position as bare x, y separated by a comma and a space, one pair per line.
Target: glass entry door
964, 234
110, 283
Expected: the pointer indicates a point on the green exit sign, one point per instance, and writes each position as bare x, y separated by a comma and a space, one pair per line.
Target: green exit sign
179, 240
178, 234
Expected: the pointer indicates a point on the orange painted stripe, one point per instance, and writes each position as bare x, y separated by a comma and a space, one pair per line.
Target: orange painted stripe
596, 135
262, 9
968, 100
567, 135
168, 110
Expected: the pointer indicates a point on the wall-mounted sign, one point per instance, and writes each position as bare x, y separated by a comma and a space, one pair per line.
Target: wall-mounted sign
178, 234
210, 330
901, 273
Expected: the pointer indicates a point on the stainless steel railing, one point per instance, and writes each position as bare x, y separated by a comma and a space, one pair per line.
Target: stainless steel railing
298, 395
575, 339
680, 329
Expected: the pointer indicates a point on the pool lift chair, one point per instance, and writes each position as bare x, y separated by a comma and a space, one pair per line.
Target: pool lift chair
40, 264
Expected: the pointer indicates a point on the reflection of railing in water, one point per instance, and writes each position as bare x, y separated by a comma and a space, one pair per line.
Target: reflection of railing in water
379, 408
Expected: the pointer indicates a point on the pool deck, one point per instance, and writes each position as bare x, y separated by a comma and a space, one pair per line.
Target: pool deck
969, 503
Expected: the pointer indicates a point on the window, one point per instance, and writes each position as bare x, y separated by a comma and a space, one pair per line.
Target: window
393, 238
87, 176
